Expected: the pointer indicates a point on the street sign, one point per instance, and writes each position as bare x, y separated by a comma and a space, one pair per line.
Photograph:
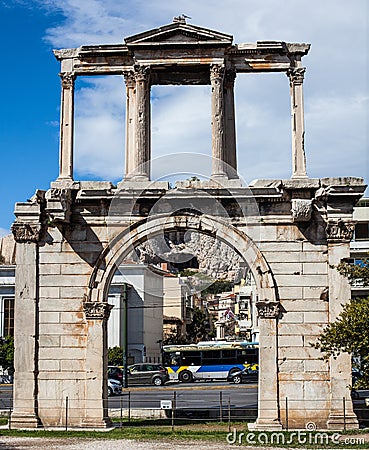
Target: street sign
165, 404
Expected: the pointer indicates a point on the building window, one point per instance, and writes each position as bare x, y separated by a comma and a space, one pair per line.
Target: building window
362, 231
8, 306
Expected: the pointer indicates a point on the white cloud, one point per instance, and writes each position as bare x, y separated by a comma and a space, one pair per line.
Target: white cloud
337, 67
339, 151
99, 128
181, 119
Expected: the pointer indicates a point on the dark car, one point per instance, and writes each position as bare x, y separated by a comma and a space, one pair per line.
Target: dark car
146, 373
116, 373
245, 375
356, 375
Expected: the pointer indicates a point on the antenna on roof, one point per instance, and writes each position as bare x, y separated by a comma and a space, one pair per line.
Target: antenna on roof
181, 19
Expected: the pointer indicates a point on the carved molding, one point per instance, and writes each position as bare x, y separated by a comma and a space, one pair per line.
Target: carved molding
268, 310
66, 53
67, 80
296, 75
301, 210
62, 195
59, 204
26, 232
339, 230
97, 310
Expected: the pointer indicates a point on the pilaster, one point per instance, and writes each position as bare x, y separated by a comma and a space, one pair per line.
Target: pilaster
26, 332
339, 234
97, 315
268, 401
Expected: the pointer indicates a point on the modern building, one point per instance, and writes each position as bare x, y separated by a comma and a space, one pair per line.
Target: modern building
138, 289
247, 327
359, 246
178, 305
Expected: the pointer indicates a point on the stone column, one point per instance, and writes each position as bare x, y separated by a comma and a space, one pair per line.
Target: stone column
230, 123
142, 152
296, 76
130, 122
217, 121
97, 315
26, 332
66, 126
268, 402
339, 234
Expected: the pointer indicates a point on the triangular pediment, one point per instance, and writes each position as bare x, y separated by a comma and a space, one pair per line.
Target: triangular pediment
179, 33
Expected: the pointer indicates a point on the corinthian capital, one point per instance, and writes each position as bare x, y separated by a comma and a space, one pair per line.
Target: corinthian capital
141, 72
230, 76
268, 310
67, 79
97, 310
296, 75
338, 230
217, 72
129, 78
26, 232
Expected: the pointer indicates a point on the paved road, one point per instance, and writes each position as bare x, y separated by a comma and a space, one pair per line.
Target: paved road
186, 395
202, 395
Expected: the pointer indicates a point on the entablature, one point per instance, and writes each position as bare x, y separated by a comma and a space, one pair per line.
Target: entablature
174, 48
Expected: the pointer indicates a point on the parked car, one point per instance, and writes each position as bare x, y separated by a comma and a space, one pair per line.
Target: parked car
356, 375
146, 373
114, 387
245, 375
116, 373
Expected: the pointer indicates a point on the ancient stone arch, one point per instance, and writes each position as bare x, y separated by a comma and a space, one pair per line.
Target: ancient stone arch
69, 242
217, 227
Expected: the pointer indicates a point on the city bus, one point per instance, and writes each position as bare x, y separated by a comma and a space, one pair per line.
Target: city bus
212, 360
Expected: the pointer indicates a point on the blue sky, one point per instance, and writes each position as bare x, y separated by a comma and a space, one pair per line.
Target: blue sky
336, 90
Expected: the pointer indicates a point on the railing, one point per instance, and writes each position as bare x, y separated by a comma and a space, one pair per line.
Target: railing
183, 408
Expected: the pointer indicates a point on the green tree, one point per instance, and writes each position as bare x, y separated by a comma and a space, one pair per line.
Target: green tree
217, 287
115, 356
356, 273
199, 329
7, 353
174, 338
350, 331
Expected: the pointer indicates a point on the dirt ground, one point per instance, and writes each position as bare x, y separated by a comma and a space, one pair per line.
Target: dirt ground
10, 443
28, 443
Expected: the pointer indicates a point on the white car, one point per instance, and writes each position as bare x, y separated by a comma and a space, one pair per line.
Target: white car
114, 387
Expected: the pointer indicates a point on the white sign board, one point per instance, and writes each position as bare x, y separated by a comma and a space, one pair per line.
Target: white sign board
165, 404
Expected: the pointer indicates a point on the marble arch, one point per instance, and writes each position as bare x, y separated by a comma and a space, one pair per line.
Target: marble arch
65, 257
214, 226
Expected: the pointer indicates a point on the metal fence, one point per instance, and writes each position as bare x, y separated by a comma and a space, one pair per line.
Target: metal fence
178, 408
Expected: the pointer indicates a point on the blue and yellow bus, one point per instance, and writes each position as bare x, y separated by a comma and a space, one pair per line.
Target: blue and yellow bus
212, 360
